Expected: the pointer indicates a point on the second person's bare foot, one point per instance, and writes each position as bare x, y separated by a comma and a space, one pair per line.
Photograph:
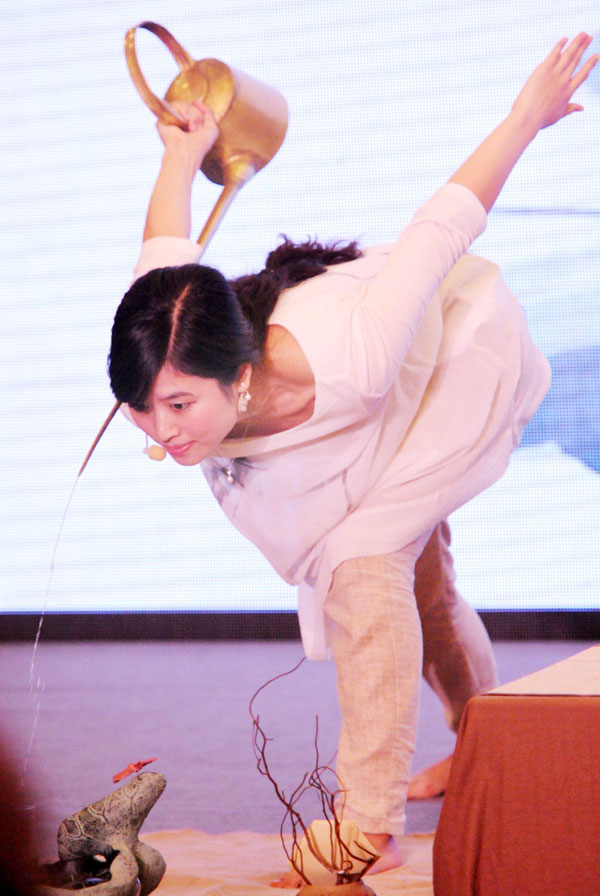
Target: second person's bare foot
431, 781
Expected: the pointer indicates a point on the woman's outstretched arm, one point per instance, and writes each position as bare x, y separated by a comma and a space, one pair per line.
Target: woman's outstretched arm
169, 209
544, 100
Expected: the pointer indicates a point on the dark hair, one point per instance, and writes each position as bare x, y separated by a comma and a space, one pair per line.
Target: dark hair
192, 318
185, 316
286, 265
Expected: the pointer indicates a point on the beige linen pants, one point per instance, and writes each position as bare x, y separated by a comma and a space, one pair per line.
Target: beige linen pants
390, 618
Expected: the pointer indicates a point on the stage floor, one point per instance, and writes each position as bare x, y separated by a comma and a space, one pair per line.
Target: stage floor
102, 705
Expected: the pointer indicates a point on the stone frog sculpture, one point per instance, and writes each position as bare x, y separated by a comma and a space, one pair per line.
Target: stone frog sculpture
109, 828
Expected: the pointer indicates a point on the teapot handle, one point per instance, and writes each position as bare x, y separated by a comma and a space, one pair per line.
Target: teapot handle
163, 110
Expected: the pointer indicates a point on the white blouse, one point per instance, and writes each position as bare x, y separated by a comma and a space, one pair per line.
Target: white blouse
425, 375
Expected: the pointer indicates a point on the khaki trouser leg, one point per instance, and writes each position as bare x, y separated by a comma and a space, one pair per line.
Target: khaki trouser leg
375, 636
458, 661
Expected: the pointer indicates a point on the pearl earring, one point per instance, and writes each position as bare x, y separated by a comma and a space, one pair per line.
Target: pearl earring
243, 399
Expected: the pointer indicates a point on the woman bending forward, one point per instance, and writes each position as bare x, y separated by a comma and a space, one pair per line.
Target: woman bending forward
341, 404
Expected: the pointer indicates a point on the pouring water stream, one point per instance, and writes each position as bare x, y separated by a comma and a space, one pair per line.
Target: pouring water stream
36, 688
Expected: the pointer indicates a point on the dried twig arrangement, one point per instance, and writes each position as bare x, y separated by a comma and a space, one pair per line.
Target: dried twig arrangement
331, 801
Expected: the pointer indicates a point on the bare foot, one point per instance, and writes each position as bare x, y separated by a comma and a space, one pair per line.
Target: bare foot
389, 853
390, 857
431, 781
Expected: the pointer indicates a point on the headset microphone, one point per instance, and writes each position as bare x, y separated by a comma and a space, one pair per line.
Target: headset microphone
155, 452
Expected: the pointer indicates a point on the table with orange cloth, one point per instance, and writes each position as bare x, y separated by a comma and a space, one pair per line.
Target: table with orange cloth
521, 815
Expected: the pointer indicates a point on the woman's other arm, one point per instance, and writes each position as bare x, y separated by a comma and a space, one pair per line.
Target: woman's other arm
544, 100
169, 209
442, 230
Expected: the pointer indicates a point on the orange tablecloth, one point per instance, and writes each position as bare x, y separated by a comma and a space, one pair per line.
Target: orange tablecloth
521, 816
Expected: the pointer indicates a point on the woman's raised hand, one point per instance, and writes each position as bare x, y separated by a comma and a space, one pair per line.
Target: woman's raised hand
545, 99
169, 211
201, 134
546, 96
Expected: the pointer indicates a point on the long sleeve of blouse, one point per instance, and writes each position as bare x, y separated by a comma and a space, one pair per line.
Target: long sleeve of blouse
396, 299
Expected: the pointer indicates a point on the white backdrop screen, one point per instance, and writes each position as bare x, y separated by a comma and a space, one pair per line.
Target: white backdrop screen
386, 99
